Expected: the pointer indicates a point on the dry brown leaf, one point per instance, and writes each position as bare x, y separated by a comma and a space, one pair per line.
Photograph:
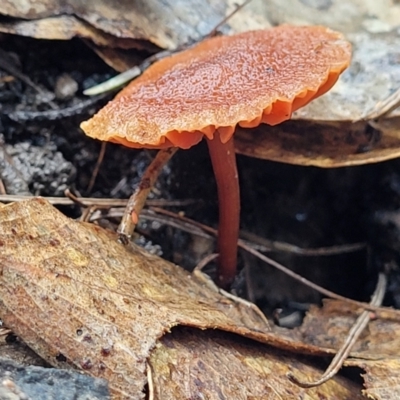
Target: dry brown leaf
349, 16
56, 28
377, 351
111, 49
373, 76
70, 289
189, 364
321, 145
327, 327
371, 26
66, 27
382, 378
165, 24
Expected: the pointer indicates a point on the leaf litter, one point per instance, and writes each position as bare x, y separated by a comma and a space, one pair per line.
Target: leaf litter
224, 366
381, 369
97, 304
372, 29
102, 308
377, 351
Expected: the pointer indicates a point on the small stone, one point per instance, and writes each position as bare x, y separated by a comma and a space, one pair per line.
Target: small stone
65, 87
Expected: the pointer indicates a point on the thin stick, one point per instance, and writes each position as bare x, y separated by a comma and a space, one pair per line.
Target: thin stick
382, 312
353, 335
245, 246
138, 198
200, 266
205, 279
229, 16
7, 78
7, 65
55, 115
150, 382
98, 203
96, 169
384, 107
263, 244
74, 198
254, 241
87, 213
2, 187
123, 78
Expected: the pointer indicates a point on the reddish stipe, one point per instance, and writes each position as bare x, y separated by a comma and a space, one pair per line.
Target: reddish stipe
223, 160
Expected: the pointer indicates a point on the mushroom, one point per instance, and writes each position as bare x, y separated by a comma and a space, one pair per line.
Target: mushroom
246, 79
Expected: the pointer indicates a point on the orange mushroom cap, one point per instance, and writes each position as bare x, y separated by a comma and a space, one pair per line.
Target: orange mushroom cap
249, 78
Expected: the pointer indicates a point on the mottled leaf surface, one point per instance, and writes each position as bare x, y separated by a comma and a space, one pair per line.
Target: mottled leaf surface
329, 145
80, 299
371, 26
377, 351
188, 364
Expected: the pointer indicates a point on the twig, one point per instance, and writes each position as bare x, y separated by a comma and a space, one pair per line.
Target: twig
138, 198
87, 213
96, 169
205, 279
263, 244
381, 312
199, 269
260, 244
99, 203
2, 187
229, 16
384, 107
150, 382
353, 335
123, 78
151, 216
7, 78
74, 198
7, 65
53, 115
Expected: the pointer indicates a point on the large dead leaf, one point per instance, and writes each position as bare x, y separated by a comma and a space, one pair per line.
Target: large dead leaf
327, 327
382, 378
165, 24
70, 291
374, 74
377, 351
188, 364
66, 27
73, 293
370, 26
322, 145
349, 16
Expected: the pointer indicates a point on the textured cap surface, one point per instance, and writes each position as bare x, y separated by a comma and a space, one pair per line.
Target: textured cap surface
247, 79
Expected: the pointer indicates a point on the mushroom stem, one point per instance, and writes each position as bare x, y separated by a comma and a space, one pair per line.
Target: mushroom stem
223, 160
